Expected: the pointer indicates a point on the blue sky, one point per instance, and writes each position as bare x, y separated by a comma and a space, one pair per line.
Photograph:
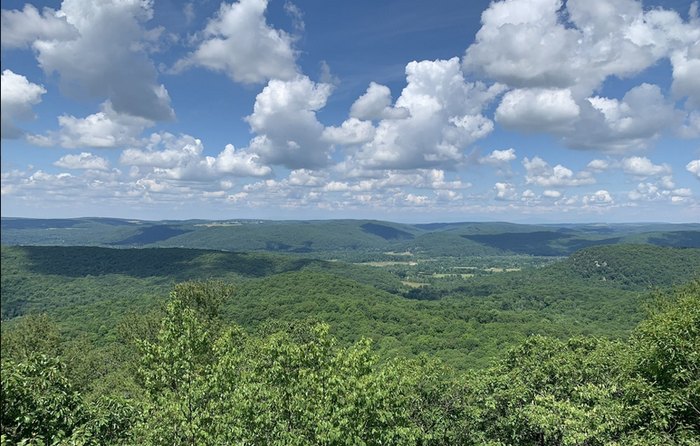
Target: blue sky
416, 111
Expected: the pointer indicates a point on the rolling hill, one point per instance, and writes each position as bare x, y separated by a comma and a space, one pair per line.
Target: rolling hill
89, 290
344, 239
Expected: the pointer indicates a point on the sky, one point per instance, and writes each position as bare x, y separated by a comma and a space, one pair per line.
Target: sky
402, 110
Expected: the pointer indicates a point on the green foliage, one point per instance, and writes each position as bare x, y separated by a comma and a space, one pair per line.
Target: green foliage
211, 388
35, 334
201, 381
667, 348
37, 400
40, 406
636, 266
102, 297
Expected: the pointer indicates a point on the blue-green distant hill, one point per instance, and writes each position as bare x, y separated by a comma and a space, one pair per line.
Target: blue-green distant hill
347, 239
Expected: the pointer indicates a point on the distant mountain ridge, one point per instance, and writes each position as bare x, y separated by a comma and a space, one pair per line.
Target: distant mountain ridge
328, 238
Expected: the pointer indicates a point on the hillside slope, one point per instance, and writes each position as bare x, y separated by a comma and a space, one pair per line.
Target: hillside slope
353, 240
90, 290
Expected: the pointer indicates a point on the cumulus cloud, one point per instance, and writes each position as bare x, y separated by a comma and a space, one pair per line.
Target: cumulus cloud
239, 42
505, 191
623, 125
643, 167
375, 103
694, 168
686, 74
240, 163
580, 43
598, 198
102, 130
284, 119
181, 158
351, 132
163, 151
663, 189
537, 109
84, 160
603, 38
499, 157
328, 189
59, 189
107, 57
595, 122
21, 28
538, 171
17, 98
598, 165
444, 118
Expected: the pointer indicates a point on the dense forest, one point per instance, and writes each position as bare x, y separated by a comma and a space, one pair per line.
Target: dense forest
464, 321
111, 344
188, 377
353, 240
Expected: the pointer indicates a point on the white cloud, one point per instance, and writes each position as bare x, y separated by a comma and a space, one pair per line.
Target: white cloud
181, 159
22, 28
237, 197
306, 178
643, 167
240, 163
164, 151
682, 192
645, 191
528, 194
284, 118
239, 42
418, 200
84, 160
661, 190
686, 74
694, 168
603, 38
505, 191
434, 179
538, 171
510, 29
598, 165
352, 131
376, 104
599, 198
107, 59
581, 43
444, 118
17, 97
104, 129
537, 109
549, 193
623, 125
499, 157
60, 189
613, 125
690, 128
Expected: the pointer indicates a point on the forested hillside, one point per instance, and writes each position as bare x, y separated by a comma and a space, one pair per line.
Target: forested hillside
352, 240
188, 377
464, 319
194, 346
